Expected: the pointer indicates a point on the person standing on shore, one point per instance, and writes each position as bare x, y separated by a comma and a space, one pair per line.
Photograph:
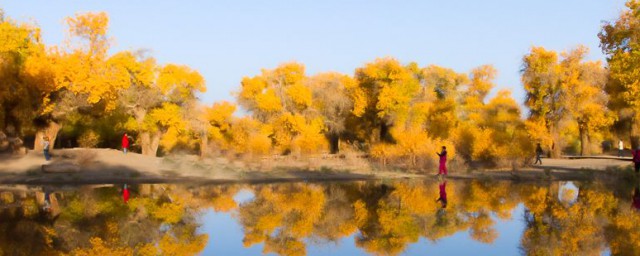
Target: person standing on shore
636, 159
443, 161
45, 148
539, 153
620, 148
125, 143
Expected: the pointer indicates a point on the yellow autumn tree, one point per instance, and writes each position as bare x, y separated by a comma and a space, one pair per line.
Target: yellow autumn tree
337, 97
219, 118
545, 96
283, 99
25, 76
587, 100
620, 42
389, 87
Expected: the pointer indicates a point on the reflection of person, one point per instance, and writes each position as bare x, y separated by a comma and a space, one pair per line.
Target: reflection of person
620, 148
443, 194
125, 194
47, 201
636, 158
443, 161
538, 154
45, 148
125, 143
636, 198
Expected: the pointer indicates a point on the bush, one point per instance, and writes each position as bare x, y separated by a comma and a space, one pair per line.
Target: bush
89, 139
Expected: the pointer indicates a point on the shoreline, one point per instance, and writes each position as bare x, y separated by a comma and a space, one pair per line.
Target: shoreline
109, 166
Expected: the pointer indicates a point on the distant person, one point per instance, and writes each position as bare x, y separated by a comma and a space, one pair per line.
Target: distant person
125, 143
620, 148
45, 148
443, 194
539, 153
443, 161
636, 158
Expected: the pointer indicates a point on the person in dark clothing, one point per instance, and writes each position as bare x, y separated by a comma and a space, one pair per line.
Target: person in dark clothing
45, 148
539, 153
636, 158
443, 161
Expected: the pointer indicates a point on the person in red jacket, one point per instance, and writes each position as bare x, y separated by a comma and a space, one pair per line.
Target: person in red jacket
443, 161
125, 194
125, 143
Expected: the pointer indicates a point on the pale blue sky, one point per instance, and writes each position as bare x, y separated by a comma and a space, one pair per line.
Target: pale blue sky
226, 40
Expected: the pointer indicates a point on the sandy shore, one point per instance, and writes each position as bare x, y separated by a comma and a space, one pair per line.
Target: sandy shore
100, 166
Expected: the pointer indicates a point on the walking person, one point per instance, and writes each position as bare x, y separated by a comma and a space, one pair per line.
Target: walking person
636, 158
539, 153
45, 148
620, 148
125, 143
443, 161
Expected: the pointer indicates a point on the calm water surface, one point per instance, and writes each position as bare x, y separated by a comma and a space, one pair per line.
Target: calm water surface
355, 218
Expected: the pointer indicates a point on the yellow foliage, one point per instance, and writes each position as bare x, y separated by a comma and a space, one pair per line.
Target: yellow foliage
250, 136
170, 245
300, 95
224, 203
92, 27
180, 80
390, 86
360, 212
268, 101
168, 119
311, 138
98, 247
384, 152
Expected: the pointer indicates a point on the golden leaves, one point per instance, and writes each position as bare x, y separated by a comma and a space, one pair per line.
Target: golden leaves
180, 80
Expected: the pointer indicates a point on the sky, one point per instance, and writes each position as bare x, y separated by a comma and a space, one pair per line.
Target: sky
228, 40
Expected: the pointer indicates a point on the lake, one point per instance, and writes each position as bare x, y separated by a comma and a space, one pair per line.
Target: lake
394, 217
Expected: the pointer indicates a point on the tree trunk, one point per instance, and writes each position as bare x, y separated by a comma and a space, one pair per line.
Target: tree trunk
556, 150
149, 143
413, 160
50, 131
204, 145
384, 132
584, 142
334, 143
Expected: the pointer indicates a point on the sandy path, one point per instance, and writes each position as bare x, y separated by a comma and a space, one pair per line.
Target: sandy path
112, 166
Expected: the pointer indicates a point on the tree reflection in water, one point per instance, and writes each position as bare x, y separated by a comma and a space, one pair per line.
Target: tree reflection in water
380, 217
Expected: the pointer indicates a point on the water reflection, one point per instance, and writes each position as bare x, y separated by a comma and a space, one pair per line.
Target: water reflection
636, 198
443, 194
288, 218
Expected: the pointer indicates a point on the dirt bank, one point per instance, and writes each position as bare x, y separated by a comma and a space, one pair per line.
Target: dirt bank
99, 166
